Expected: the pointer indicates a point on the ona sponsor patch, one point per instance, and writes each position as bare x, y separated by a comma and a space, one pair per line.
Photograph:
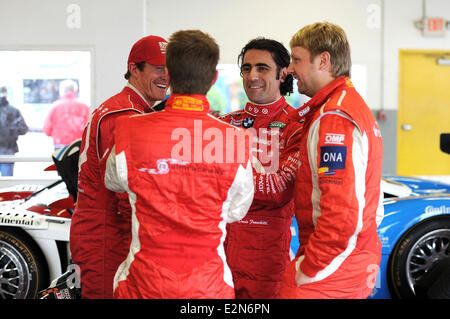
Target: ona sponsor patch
332, 158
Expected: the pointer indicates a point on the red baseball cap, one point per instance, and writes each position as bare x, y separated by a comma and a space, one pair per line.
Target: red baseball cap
150, 49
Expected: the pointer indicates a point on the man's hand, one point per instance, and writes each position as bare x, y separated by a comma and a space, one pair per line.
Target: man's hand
300, 277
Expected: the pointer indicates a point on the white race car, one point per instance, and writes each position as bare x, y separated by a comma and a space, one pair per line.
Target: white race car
34, 232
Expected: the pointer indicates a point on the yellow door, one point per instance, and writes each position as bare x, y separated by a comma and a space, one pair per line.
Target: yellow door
423, 112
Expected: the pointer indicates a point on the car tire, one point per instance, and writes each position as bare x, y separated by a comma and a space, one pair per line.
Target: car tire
23, 269
415, 253
440, 288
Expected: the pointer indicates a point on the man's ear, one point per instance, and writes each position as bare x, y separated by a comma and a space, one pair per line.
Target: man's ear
132, 67
283, 74
325, 60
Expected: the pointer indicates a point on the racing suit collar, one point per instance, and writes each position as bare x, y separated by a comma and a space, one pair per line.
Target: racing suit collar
265, 109
321, 97
138, 98
188, 102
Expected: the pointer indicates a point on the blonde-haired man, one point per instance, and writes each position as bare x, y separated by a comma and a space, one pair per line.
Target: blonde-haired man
337, 192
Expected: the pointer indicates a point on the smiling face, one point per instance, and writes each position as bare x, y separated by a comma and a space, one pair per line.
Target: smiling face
260, 77
304, 70
312, 74
152, 81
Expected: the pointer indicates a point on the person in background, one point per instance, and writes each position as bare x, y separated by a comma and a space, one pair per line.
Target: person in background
338, 201
257, 247
12, 125
183, 192
101, 230
67, 118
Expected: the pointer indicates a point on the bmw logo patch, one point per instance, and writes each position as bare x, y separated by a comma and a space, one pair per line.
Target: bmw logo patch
248, 122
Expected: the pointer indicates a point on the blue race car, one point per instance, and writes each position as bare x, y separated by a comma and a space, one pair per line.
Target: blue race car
415, 234
420, 186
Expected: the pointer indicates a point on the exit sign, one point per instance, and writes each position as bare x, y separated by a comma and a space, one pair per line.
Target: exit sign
434, 27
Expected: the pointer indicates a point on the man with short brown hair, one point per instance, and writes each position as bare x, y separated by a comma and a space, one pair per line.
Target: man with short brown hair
182, 197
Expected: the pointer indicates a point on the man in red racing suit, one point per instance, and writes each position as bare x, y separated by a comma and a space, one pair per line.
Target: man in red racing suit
100, 229
183, 190
257, 247
338, 202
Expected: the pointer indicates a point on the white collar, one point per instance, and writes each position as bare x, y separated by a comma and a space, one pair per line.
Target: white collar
138, 93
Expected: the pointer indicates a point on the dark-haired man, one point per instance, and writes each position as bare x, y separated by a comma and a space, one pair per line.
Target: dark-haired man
100, 230
257, 247
186, 180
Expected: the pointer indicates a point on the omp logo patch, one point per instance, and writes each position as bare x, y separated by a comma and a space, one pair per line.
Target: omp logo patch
332, 158
304, 111
334, 138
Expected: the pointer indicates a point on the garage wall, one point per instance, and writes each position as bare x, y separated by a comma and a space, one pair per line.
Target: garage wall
106, 28
400, 33
233, 23
376, 29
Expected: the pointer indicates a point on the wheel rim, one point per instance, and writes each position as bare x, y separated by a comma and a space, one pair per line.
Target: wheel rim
14, 273
429, 249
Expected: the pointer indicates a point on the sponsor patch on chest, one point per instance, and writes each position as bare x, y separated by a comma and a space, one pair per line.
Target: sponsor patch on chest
277, 124
236, 122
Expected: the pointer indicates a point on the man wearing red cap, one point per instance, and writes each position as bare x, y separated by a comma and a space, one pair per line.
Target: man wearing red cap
100, 230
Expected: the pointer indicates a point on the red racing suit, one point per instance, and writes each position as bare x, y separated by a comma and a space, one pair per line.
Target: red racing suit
257, 247
100, 228
183, 190
338, 202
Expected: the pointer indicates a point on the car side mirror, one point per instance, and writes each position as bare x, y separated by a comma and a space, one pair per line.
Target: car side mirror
445, 143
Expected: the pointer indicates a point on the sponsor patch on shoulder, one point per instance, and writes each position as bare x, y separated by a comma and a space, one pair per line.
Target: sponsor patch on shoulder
332, 158
334, 138
304, 111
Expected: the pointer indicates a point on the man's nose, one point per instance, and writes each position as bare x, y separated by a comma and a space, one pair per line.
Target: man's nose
253, 74
290, 68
